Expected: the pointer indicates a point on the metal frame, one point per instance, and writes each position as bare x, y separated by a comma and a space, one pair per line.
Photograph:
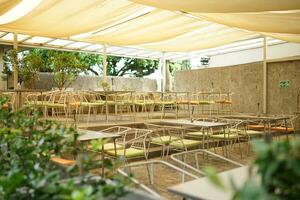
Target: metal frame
198, 151
126, 51
150, 173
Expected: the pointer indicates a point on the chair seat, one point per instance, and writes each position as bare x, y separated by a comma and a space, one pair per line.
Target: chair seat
100, 103
256, 127
130, 152
224, 136
111, 146
234, 130
75, 103
111, 102
252, 132
62, 161
164, 139
183, 102
197, 133
185, 143
36, 103
165, 102
223, 101
206, 102
282, 129
55, 105
194, 102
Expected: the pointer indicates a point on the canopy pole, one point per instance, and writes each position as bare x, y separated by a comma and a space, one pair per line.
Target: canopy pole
265, 78
15, 65
163, 72
104, 63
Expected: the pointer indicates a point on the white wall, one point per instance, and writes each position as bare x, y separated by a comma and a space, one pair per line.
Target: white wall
253, 55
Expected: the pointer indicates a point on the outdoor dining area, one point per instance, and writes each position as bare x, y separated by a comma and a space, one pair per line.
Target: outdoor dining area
141, 99
166, 140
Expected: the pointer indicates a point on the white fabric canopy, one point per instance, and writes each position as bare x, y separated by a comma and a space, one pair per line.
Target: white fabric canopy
273, 22
208, 23
222, 6
6, 5
64, 18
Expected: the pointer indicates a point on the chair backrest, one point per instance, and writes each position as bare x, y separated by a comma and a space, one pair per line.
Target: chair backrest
175, 132
140, 140
157, 130
116, 129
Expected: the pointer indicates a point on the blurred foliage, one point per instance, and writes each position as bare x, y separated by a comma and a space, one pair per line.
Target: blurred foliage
26, 146
179, 65
278, 165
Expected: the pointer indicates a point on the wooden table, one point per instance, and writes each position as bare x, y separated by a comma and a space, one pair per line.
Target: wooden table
98, 135
202, 124
203, 188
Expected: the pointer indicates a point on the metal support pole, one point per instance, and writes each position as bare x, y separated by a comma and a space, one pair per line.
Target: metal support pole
15, 66
265, 78
104, 63
163, 72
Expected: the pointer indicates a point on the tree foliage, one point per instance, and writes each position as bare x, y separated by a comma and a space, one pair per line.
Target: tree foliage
179, 65
121, 66
66, 67
116, 66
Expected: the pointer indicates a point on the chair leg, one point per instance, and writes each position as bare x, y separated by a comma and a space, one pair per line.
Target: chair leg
197, 161
241, 154
89, 113
150, 173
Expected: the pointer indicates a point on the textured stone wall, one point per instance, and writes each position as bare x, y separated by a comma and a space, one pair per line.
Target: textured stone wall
283, 100
246, 82
85, 82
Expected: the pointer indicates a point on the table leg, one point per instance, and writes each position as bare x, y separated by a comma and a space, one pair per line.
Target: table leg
265, 132
225, 140
269, 130
286, 129
203, 135
115, 146
106, 112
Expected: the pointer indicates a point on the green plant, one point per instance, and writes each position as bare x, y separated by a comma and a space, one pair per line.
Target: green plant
278, 164
105, 85
27, 144
66, 67
31, 64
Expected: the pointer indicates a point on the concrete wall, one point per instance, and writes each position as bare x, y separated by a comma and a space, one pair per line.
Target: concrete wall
84, 82
246, 82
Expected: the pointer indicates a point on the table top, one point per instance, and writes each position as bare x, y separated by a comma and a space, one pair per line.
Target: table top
203, 188
194, 123
256, 117
24, 90
94, 135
